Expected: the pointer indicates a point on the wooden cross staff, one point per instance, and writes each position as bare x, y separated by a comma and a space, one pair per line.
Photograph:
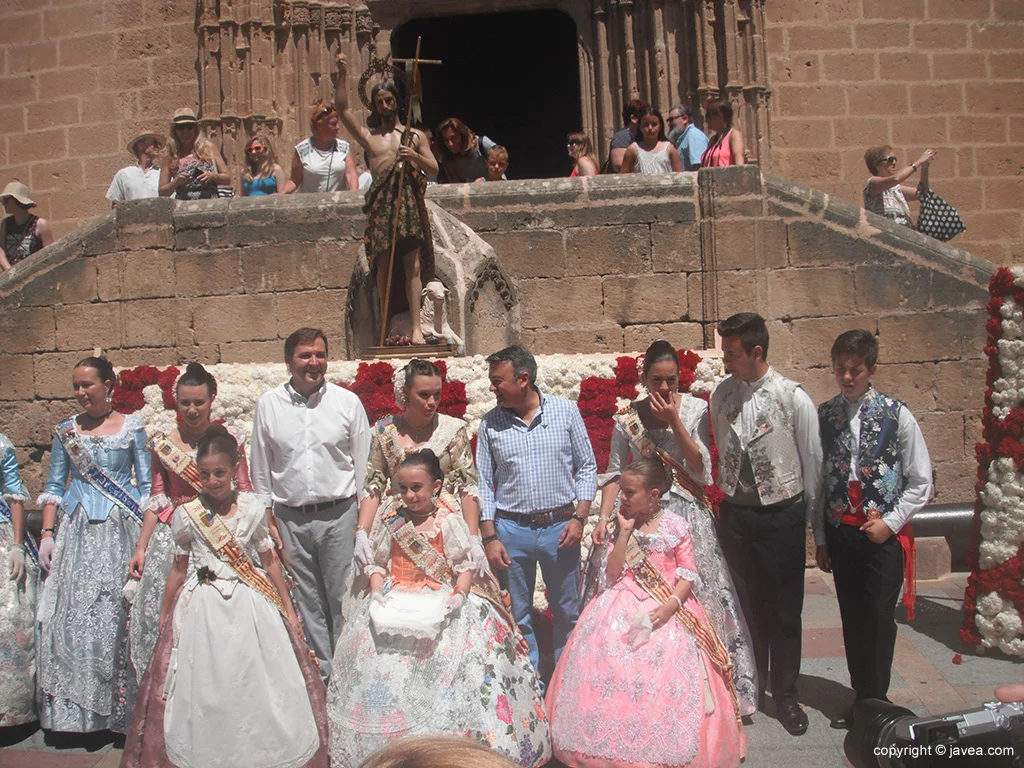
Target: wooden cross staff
412, 68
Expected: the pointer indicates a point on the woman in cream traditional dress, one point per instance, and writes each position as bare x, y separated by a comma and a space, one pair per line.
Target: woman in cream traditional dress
92, 512
644, 680
426, 652
19, 576
674, 428
231, 682
420, 427
175, 481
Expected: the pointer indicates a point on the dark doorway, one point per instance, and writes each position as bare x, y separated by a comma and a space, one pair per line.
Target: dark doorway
513, 77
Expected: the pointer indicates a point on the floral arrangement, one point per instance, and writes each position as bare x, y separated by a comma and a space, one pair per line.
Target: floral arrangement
600, 384
995, 595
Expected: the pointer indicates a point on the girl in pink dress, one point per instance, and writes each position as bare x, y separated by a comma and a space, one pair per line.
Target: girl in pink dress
644, 681
175, 481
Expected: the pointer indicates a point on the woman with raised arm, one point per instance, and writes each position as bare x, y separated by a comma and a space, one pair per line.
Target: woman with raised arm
175, 481
674, 427
92, 508
885, 193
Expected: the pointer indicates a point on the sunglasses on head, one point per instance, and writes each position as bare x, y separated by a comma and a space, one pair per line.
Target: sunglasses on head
324, 113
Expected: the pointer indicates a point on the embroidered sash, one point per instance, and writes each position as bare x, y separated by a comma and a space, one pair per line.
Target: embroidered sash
215, 532
417, 548
94, 474
5, 516
175, 459
653, 582
630, 421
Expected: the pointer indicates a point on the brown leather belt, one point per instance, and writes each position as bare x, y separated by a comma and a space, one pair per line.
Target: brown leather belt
540, 519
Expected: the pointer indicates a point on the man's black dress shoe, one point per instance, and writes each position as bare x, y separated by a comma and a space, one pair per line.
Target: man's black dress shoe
792, 717
844, 721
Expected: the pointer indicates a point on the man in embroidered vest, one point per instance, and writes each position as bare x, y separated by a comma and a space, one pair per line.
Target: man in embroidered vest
534, 459
310, 444
769, 468
877, 476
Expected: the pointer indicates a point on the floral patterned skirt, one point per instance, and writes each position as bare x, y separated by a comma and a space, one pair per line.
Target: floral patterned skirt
86, 681
17, 638
474, 681
144, 627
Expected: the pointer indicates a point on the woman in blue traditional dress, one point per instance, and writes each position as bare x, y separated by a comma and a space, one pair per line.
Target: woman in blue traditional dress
19, 574
92, 515
674, 428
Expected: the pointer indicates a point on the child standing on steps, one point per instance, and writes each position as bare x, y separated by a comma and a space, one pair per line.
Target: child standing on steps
231, 681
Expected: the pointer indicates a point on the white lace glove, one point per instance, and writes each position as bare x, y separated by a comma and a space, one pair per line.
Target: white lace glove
46, 553
480, 564
455, 601
362, 553
377, 596
17, 557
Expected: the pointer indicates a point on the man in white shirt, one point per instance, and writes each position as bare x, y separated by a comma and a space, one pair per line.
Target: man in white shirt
310, 444
877, 476
769, 468
142, 179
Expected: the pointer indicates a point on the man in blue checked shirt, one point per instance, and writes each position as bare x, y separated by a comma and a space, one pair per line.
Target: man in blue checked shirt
534, 459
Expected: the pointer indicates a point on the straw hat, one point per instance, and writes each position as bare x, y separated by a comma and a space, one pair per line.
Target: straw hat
155, 136
184, 116
19, 192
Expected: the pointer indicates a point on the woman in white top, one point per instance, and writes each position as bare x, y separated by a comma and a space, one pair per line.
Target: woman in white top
322, 162
885, 193
651, 151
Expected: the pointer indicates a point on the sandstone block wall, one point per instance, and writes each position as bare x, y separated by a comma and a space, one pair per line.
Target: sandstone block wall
603, 264
79, 79
948, 74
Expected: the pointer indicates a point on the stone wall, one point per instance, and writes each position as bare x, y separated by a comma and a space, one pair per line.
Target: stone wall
948, 74
77, 81
599, 264
78, 78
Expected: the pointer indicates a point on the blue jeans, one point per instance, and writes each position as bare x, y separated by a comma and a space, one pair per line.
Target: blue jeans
526, 548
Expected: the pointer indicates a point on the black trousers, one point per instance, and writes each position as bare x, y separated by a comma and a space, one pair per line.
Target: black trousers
868, 579
766, 552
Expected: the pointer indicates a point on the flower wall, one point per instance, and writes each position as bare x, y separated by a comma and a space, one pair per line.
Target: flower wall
995, 594
600, 384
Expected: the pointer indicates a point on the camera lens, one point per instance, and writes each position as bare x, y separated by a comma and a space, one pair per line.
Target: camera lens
874, 721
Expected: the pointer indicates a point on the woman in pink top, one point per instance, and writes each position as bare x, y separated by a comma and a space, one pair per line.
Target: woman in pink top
175, 481
725, 147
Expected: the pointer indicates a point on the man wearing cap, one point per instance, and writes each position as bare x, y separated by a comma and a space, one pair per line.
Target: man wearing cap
142, 179
21, 233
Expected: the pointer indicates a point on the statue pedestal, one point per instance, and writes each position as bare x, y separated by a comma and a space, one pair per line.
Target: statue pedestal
424, 351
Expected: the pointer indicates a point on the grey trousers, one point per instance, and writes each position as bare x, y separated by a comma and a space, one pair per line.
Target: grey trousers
318, 549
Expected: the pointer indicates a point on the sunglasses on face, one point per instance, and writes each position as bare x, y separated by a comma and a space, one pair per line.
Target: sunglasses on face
891, 159
256, 149
574, 143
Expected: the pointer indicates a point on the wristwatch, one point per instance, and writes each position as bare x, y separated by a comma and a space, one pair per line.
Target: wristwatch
575, 516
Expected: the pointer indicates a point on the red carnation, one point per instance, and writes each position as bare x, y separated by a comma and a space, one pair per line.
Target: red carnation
442, 366
626, 372
170, 403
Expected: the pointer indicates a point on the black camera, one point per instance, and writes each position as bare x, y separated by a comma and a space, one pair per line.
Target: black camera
889, 736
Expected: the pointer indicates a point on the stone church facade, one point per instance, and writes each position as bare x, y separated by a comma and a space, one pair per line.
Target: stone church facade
813, 83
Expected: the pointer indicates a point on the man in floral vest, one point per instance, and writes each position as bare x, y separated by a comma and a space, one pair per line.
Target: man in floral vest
769, 469
877, 476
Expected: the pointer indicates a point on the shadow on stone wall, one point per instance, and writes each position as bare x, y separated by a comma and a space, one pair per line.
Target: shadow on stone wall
601, 264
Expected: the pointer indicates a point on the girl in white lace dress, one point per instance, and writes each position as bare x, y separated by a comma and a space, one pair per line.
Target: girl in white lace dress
425, 652
19, 574
231, 681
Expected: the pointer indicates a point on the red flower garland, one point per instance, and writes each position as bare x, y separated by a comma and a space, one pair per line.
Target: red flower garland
1002, 440
128, 395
